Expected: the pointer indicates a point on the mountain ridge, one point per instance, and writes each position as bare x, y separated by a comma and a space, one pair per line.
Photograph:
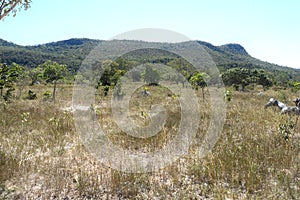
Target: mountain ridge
74, 50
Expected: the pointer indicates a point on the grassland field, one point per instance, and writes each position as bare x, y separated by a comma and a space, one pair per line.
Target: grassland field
42, 155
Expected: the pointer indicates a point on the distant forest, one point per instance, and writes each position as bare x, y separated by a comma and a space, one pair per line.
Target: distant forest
237, 67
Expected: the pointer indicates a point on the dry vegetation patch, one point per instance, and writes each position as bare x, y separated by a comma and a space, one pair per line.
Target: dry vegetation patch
42, 156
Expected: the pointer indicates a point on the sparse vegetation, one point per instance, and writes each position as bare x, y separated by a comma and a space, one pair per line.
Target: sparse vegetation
42, 156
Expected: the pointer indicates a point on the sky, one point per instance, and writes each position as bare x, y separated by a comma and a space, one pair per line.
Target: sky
268, 29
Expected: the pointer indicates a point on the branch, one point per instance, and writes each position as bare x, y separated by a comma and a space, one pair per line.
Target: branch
12, 7
2, 6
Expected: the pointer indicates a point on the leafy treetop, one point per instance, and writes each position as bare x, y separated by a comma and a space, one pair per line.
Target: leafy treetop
53, 72
8, 76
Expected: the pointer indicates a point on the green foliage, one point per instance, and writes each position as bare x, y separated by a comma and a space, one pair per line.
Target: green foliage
295, 87
69, 52
73, 51
183, 67
118, 93
8, 77
136, 75
244, 77
12, 6
47, 95
199, 80
116, 77
113, 71
228, 95
282, 78
234, 48
52, 72
105, 90
260, 77
108, 77
31, 95
238, 76
151, 76
35, 74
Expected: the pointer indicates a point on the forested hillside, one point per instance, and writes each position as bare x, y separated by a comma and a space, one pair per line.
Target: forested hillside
73, 51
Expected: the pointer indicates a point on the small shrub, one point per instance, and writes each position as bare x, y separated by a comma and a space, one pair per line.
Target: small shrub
286, 129
236, 87
283, 97
105, 90
228, 95
47, 95
31, 95
8, 94
118, 93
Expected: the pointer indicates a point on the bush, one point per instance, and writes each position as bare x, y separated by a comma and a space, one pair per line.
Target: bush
31, 95
47, 95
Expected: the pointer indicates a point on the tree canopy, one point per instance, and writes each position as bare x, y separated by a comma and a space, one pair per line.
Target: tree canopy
151, 76
8, 76
199, 80
53, 72
244, 77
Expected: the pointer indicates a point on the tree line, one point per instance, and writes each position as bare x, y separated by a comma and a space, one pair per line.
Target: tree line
51, 72
14, 75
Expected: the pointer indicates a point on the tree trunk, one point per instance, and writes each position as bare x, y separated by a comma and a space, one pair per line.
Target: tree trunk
243, 87
203, 95
54, 91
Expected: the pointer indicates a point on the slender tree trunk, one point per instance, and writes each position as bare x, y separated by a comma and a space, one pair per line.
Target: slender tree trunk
54, 91
243, 87
203, 95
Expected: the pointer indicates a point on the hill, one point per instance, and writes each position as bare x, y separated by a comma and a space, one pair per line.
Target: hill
73, 51
70, 52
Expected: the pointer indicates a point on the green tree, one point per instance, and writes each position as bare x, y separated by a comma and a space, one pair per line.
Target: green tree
183, 67
199, 80
12, 6
116, 77
260, 77
151, 76
282, 78
35, 75
295, 87
237, 76
118, 93
8, 77
136, 75
244, 77
22, 80
52, 73
111, 73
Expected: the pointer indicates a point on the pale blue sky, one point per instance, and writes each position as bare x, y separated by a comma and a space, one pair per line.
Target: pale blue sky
268, 29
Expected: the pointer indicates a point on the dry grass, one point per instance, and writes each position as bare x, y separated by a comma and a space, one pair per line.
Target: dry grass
42, 157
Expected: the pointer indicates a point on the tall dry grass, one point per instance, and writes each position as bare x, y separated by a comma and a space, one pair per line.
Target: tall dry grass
42, 156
